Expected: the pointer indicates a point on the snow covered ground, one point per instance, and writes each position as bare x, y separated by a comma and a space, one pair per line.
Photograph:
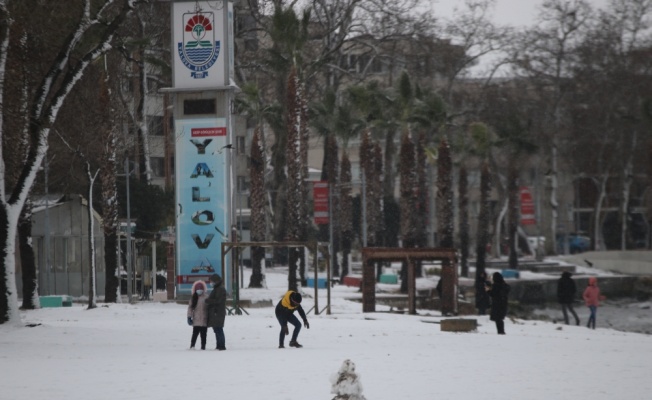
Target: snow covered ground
140, 352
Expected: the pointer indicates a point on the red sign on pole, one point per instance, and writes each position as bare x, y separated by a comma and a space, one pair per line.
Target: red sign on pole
528, 216
320, 199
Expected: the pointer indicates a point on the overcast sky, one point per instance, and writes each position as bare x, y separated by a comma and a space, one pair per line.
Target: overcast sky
506, 12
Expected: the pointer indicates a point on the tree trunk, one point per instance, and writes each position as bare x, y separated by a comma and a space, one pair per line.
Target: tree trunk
512, 216
444, 195
27, 260
346, 213
463, 204
257, 177
483, 226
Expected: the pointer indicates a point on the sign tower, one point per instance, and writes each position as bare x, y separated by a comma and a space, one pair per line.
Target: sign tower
202, 53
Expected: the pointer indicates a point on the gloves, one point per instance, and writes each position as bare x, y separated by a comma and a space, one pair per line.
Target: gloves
190, 321
306, 324
285, 329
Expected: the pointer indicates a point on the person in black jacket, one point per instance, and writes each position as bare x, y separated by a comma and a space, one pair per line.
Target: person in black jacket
216, 302
285, 308
499, 293
566, 291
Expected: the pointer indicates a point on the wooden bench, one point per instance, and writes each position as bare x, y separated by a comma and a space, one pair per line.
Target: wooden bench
458, 325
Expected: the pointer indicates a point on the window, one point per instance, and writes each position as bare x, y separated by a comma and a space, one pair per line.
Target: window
203, 106
242, 184
155, 125
158, 166
240, 144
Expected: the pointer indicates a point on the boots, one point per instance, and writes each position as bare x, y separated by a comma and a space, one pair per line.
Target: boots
296, 344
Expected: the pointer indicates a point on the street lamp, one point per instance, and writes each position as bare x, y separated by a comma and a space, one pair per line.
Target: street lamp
129, 264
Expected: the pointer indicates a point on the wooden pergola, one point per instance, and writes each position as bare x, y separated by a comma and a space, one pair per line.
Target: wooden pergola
447, 256
313, 246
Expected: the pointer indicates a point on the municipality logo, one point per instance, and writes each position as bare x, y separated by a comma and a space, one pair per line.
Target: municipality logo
199, 50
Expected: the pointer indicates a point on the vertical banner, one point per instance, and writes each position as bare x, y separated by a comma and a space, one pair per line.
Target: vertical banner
202, 208
229, 34
198, 38
320, 200
528, 216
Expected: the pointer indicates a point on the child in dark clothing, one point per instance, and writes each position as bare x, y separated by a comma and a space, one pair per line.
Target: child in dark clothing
285, 308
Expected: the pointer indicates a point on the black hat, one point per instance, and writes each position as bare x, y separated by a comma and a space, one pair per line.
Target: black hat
216, 278
295, 297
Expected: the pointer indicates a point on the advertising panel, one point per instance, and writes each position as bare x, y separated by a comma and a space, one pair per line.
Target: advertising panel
320, 200
528, 216
202, 173
199, 44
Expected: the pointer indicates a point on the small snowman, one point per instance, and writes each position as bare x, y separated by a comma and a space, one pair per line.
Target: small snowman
345, 384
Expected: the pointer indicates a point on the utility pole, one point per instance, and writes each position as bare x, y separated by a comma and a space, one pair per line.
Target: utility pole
129, 266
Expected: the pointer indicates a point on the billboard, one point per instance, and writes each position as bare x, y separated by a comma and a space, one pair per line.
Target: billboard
528, 216
201, 44
320, 201
202, 190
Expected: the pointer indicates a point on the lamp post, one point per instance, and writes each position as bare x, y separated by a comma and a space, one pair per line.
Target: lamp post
129, 266
47, 224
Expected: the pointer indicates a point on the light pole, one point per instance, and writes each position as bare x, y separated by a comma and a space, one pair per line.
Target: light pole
129, 266
47, 224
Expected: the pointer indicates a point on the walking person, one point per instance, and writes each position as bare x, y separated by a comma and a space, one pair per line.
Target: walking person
197, 317
216, 302
499, 293
592, 299
285, 309
566, 291
482, 299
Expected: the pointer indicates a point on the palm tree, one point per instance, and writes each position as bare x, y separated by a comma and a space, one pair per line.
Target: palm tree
250, 104
289, 34
345, 213
481, 137
258, 223
444, 195
333, 121
514, 132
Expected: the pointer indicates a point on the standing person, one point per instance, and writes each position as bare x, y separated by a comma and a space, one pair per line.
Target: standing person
566, 291
216, 302
438, 288
482, 299
285, 308
592, 299
197, 316
499, 292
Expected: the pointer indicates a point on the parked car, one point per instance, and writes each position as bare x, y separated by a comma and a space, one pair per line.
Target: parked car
577, 243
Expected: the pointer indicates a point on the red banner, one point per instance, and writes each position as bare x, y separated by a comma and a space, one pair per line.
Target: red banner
204, 132
528, 216
320, 199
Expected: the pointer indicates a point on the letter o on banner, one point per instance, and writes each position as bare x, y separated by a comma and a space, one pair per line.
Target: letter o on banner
203, 217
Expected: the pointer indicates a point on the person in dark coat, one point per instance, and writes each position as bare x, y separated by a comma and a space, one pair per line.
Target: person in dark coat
499, 293
482, 299
566, 291
216, 302
285, 308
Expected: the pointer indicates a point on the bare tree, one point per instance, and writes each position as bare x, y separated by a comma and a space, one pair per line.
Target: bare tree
90, 36
546, 55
